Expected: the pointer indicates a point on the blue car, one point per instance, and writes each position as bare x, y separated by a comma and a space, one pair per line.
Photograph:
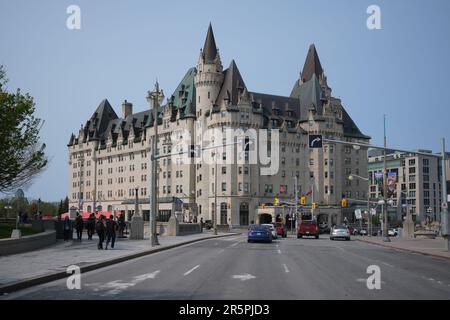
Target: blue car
257, 232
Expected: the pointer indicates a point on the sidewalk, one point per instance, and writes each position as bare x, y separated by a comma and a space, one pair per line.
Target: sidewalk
35, 267
431, 247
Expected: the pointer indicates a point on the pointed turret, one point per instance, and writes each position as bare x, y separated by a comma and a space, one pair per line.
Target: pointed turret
209, 52
233, 85
312, 65
72, 140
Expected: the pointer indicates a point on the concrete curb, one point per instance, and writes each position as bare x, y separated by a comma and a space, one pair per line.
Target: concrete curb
431, 254
31, 282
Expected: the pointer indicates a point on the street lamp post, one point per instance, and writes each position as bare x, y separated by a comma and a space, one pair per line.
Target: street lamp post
385, 211
445, 227
215, 195
155, 97
368, 201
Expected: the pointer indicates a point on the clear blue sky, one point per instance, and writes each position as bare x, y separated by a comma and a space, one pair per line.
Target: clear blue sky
401, 70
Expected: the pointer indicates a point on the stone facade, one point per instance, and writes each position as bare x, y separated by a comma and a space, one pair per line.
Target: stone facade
418, 187
110, 156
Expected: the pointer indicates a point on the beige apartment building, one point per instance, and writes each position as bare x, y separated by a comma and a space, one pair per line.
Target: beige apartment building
109, 158
417, 186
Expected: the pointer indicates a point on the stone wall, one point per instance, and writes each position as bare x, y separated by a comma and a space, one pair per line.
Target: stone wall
28, 243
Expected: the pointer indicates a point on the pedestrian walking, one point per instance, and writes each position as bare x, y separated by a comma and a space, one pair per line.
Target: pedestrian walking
100, 227
79, 225
111, 228
67, 228
201, 223
91, 226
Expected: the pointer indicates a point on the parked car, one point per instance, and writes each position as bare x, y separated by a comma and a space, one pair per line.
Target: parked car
392, 232
271, 226
308, 228
340, 232
352, 231
363, 232
281, 229
259, 232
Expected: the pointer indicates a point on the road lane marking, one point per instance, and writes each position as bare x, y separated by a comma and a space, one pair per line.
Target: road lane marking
221, 250
234, 244
244, 277
187, 272
279, 251
117, 286
285, 268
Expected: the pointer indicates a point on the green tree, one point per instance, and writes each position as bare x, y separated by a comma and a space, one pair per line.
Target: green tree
66, 205
22, 156
60, 207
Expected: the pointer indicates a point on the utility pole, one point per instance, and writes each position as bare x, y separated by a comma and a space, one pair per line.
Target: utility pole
385, 211
445, 227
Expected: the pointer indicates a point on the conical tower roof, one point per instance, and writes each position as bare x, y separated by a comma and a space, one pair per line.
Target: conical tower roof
209, 49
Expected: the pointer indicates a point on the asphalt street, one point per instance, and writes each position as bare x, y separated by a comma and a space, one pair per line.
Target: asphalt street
230, 268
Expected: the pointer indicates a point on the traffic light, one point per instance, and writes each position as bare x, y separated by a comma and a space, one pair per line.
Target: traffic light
303, 200
343, 202
275, 201
313, 205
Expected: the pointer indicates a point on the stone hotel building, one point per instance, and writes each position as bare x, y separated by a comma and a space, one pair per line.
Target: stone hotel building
109, 158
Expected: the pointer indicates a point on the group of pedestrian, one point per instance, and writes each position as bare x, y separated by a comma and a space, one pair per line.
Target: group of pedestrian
106, 229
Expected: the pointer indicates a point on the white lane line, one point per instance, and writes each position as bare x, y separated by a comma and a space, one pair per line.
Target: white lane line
279, 251
234, 244
221, 250
244, 277
187, 272
278, 245
285, 268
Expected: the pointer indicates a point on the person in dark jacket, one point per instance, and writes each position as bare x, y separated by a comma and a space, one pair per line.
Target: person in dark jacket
111, 227
100, 227
67, 228
91, 226
79, 225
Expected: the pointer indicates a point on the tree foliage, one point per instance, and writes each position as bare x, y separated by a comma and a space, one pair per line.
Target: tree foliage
22, 156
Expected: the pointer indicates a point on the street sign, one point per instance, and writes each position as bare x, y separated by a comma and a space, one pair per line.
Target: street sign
358, 214
315, 141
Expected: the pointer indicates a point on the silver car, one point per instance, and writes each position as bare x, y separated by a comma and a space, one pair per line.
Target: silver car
272, 230
339, 232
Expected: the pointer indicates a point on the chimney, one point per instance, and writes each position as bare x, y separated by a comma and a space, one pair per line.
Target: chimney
127, 109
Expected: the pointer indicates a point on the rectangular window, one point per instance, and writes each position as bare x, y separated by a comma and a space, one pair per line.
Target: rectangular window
224, 186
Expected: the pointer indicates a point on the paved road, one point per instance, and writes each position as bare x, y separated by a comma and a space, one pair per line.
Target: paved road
231, 268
